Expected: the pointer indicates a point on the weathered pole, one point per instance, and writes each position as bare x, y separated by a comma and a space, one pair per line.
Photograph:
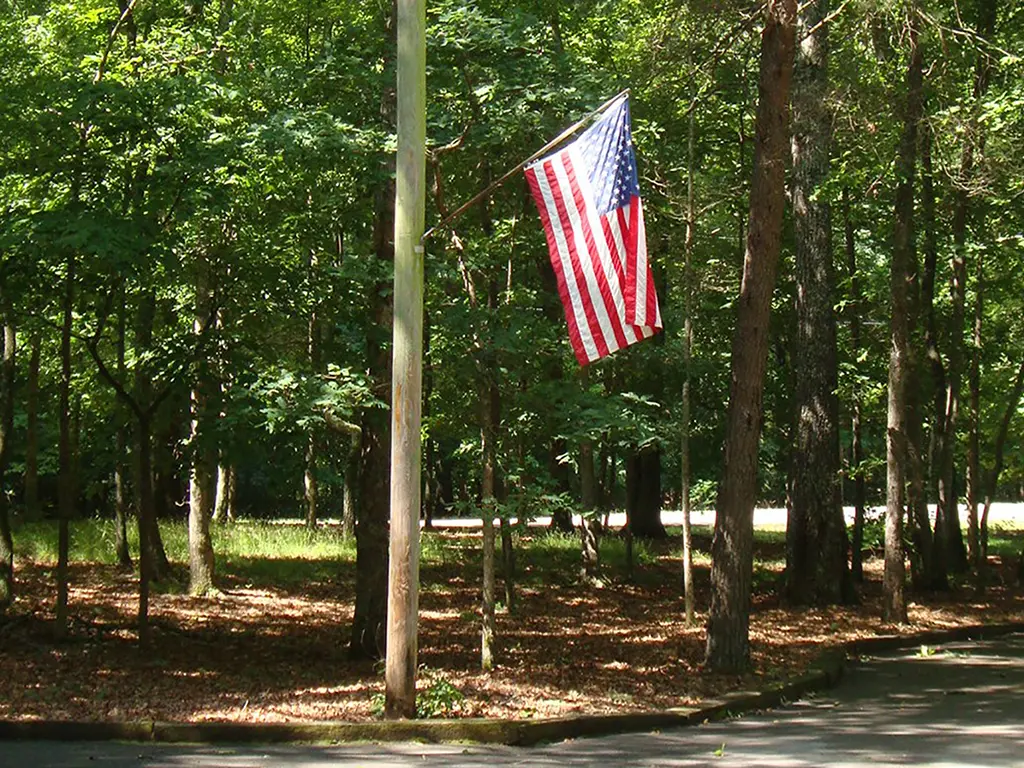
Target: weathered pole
407, 362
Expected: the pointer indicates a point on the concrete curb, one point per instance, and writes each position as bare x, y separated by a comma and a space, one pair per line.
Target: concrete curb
825, 673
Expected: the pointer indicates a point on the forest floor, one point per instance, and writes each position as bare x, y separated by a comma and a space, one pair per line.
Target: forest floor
272, 646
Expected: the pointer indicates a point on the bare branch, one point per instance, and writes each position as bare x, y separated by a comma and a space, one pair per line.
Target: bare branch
101, 69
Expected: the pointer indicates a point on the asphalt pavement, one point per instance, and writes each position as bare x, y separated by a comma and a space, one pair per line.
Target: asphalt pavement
960, 704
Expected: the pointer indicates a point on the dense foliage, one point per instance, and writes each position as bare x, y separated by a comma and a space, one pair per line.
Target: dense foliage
201, 181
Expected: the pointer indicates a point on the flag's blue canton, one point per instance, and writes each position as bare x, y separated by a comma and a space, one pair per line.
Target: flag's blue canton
607, 148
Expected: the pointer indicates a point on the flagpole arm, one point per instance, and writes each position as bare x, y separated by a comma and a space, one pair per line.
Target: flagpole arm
513, 171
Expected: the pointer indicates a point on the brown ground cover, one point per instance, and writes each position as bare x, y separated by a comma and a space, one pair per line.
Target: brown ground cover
263, 653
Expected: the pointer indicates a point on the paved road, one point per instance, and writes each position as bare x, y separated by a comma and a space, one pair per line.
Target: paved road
960, 706
1004, 514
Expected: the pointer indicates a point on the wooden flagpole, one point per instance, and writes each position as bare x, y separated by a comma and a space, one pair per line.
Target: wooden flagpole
407, 365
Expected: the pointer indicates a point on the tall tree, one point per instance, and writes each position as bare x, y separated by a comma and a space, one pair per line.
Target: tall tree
728, 635
816, 567
7, 371
369, 620
32, 428
957, 349
899, 445
121, 502
201, 488
856, 438
66, 491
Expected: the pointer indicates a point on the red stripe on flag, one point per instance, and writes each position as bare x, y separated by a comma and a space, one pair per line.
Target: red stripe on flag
559, 194
629, 284
553, 249
595, 258
617, 272
652, 297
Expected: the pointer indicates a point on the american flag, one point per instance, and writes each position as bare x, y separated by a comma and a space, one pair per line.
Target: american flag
588, 196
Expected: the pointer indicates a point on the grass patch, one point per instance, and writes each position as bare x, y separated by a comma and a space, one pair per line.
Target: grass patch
92, 541
1005, 542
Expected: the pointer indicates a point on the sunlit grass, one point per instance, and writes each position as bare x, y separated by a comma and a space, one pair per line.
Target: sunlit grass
92, 540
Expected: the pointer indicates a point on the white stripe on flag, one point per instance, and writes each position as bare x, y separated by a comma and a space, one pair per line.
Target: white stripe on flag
620, 249
593, 295
579, 315
641, 265
601, 241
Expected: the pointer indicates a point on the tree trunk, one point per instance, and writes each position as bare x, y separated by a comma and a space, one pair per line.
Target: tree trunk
490, 420
728, 642
7, 372
144, 514
121, 503
561, 519
311, 485
227, 482
590, 560
202, 479
856, 449
146, 487
643, 493
508, 560
946, 519
429, 472
684, 438
974, 488
369, 623
987, 12
66, 490
32, 510
817, 572
488, 404
899, 441
349, 501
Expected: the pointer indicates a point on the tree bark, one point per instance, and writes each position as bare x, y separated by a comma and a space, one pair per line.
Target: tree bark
121, 503
202, 479
7, 371
590, 559
31, 481
817, 572
974, 488
728, 641
643, 493
489, 403
369, 623
227, 482
946, 519
146, 487
310, 484
987, 13
508, 559
689, 597
899, 441
144, 514
856, 448
561, 519
349, 501
66, 491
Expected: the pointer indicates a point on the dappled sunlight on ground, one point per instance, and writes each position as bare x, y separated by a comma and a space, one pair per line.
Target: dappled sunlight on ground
259, 652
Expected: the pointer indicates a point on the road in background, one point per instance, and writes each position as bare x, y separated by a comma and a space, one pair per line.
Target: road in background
1001, 515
